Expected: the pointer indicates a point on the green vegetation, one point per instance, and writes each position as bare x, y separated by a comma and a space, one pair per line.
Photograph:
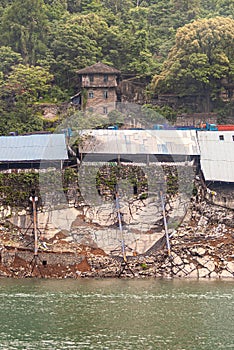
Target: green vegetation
16, 188
183, 47
201, 61
132, 179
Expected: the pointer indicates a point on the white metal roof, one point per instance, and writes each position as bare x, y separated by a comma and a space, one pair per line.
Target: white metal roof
217, 155
174, 142
33, 147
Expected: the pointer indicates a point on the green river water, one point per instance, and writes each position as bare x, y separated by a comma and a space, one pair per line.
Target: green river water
116, 314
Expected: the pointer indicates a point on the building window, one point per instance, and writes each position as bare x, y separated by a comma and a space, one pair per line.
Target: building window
232, 137
105, 78
105, 110
91, 78
221, 137
85, 80
91, 94
105, 94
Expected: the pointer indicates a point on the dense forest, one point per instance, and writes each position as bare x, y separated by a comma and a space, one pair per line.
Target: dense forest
180, 46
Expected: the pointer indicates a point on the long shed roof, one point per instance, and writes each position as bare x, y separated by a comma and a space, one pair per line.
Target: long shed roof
217, 155
166, 142
33, 147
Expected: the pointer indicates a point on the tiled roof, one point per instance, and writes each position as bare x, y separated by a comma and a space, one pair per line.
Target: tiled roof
99, 68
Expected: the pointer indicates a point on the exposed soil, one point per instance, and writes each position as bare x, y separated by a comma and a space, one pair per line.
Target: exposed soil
59, 258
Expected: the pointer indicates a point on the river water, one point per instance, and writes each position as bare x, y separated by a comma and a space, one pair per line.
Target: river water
116, 314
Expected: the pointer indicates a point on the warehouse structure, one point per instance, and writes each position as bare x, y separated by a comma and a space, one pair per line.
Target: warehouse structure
217, 155
214, 149
32, 151
139, 146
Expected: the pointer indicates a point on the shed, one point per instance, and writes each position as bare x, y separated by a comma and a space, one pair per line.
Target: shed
32, 150
137, 145
217, 155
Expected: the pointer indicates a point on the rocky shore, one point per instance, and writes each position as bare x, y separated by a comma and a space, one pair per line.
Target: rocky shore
202, 247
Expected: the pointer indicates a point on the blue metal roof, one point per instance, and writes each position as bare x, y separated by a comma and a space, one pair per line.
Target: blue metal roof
33, 147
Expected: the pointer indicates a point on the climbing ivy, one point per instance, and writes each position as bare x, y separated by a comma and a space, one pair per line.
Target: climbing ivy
16, 188
109, 176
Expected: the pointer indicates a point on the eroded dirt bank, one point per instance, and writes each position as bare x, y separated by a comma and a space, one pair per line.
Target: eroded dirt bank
202, 247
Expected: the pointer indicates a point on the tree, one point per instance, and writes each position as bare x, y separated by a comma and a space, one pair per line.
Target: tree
26, 83
23, 86
118, 6
24, 28
76, 44
201, 58
128, 45
225, 8
8, 58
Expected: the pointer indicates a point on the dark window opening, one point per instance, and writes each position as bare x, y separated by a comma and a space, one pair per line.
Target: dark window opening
91, 78
105, 94
91, 94
135, 189
232, 137
105, 110
105, 78
221, 137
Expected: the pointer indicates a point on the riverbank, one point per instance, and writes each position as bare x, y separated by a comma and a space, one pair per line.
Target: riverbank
202, 247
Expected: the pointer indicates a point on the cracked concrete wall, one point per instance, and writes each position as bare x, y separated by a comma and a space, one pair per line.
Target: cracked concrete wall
90, 218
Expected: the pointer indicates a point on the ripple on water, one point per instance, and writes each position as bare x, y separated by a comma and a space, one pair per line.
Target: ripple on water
116, 315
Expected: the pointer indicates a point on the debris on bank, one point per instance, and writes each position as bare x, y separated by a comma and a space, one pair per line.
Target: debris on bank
202, 247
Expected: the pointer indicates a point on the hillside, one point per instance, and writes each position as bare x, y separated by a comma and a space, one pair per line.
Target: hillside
44, 43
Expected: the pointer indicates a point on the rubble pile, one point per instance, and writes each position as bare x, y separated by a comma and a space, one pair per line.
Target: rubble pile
202, 247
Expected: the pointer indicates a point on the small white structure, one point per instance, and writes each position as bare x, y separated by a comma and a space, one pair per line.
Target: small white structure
217, 155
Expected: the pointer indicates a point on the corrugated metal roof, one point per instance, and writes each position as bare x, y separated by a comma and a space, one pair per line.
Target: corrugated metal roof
217, 155
33, 147
171, 142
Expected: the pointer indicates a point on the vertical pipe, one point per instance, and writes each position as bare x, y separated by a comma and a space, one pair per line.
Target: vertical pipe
147, 159
120, 223
35, 226
165, 224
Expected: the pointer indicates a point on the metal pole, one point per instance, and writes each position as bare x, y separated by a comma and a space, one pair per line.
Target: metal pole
165, 224
120, 223
34, 199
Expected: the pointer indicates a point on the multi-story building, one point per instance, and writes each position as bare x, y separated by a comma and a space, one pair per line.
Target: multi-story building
98, 88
